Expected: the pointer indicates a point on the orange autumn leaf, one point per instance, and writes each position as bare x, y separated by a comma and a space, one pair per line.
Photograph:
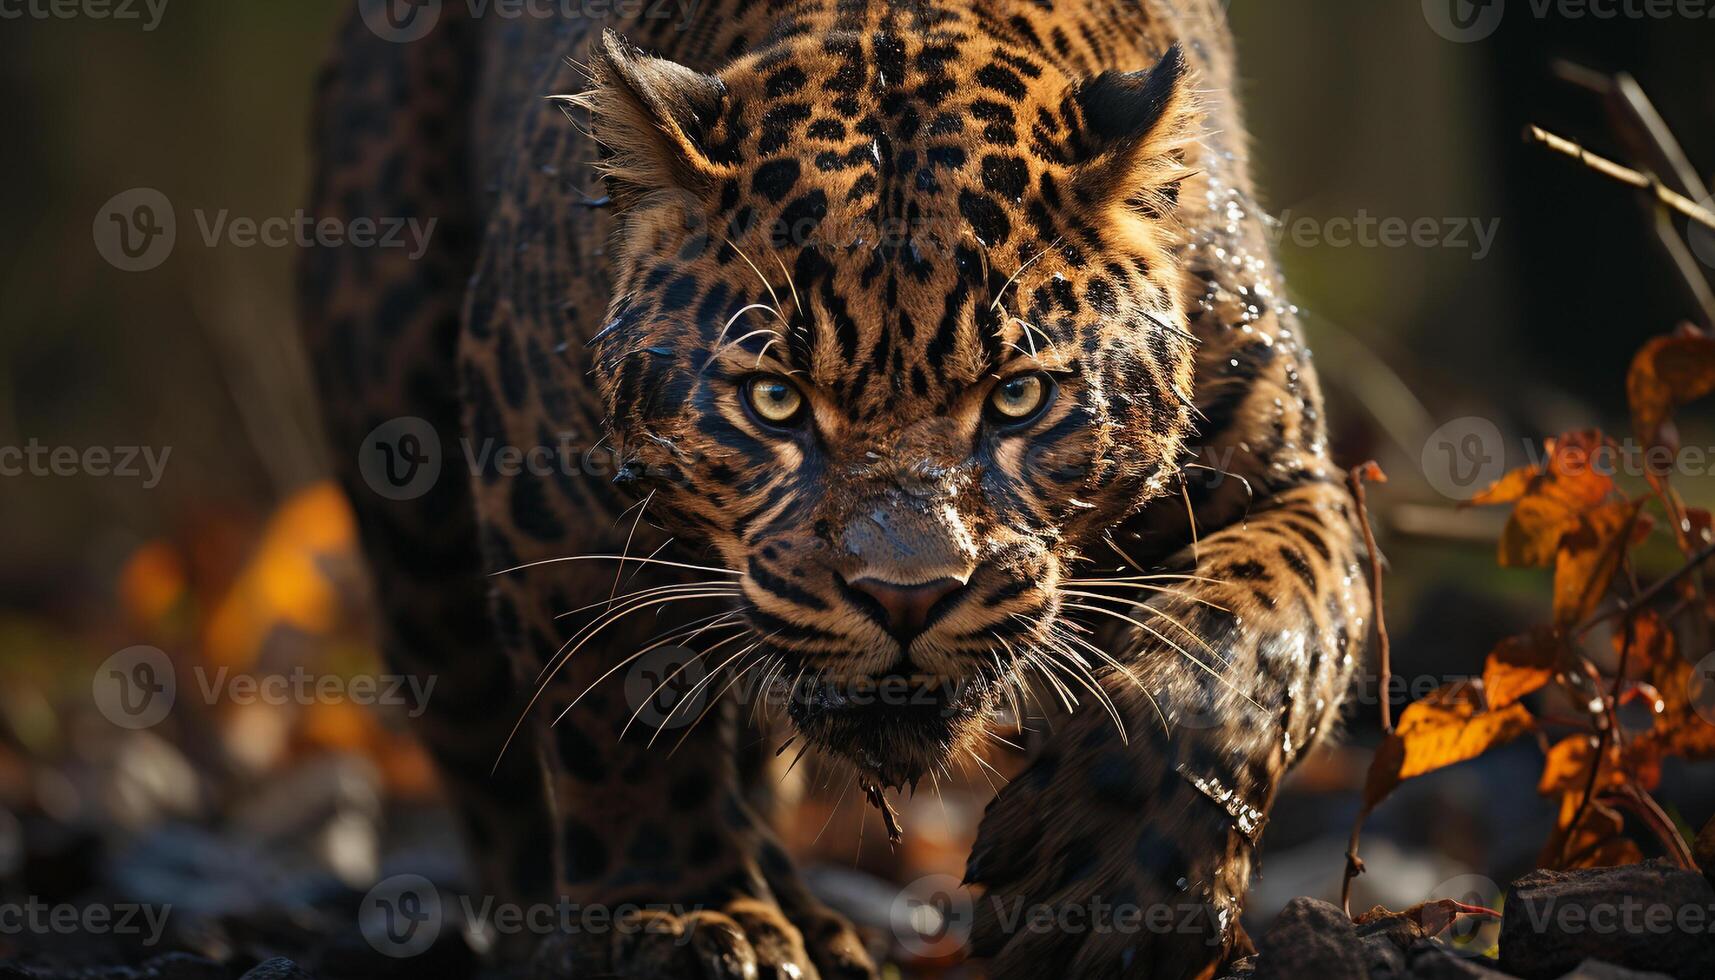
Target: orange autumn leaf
1587, 557
1667, 373
1567, 768
1508, 489
152, 582
1595, 843
1683, 724
1649, 646
1520, 665
285, 580
1450, 725
1548, 500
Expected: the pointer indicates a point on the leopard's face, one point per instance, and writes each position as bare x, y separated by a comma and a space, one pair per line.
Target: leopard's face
898, 352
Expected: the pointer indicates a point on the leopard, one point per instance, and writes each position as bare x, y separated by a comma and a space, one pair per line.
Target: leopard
833, 344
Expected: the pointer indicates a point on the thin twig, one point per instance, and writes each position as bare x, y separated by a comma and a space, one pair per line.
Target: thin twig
1624, 174
1647, 137
1355, 483
1652, 593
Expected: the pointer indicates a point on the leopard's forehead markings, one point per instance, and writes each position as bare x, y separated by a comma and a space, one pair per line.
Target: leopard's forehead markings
901, 178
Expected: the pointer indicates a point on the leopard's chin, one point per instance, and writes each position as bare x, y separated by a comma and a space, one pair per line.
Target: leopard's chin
894, 729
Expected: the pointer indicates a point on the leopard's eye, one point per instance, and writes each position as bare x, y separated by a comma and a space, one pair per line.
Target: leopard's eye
774, 399
1020, 398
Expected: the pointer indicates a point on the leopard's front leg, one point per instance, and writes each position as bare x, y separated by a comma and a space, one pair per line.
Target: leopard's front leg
1128, 855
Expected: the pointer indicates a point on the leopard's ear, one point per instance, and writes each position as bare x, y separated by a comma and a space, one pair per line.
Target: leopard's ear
1136, 126
650, 116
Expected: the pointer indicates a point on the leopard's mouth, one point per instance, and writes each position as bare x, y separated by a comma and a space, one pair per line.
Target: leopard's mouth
894, 728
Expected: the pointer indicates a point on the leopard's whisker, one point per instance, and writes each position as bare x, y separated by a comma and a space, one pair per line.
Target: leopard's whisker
650, 699
1156, 610
545, 678
1144, 579
639, 570
649, 561
1125, 669
980, 765
722, 348
697, 688
1042, 663
719, 696
765, 283
769, 679
831, 814
797, 304
642, 507
1070, 660
1157, 589
589, 632
1158, 635
729, 589
1000, 294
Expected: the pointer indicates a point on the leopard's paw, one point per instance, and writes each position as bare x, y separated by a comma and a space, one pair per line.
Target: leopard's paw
746, 939
1101, 863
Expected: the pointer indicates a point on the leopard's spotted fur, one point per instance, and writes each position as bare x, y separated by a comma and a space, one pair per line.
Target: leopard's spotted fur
892, 204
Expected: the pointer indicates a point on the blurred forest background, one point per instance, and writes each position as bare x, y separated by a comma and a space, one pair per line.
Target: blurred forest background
242, 555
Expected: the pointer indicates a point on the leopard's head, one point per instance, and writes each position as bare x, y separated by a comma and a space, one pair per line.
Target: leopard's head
897, 332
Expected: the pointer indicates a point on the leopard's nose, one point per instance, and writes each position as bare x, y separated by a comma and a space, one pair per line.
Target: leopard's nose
905, 609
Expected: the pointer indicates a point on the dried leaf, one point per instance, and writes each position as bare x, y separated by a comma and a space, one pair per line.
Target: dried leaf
1567, 768
1595, 843
1680, 727
1557, 496
1448, 726
1425, 920
1370, 472
1650, 646
1520, 665
1588, 555
1666, 374
1508, 489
